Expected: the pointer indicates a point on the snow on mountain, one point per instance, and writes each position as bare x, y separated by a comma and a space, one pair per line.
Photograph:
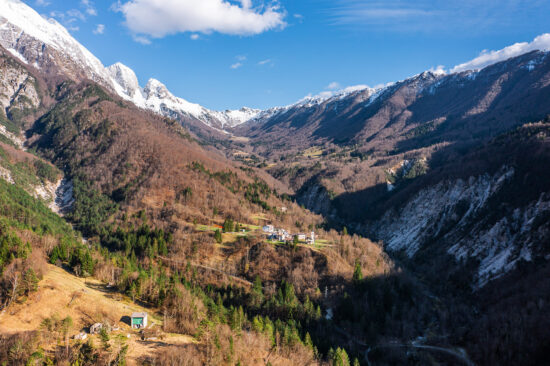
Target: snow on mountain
24, 32
126, 84
44, 43
313, 101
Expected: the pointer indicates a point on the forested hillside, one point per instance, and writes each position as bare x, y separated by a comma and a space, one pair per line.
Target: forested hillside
148, 199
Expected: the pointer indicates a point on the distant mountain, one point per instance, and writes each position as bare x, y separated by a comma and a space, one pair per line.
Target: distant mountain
47, 45
385, 162
428, 108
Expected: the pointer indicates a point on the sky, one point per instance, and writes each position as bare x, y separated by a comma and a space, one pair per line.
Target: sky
227, 54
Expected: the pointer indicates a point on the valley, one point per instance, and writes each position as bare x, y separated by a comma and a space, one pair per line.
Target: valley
404, 224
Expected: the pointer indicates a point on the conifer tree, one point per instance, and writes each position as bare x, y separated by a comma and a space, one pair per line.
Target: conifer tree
218, 236
357, 273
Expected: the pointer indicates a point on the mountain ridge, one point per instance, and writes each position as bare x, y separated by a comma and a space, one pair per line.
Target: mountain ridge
45, 43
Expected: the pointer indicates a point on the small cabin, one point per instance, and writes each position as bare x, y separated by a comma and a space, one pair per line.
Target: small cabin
139, 320
268, 229
301, 237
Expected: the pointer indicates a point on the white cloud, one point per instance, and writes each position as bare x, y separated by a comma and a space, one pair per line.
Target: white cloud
241, 58
439, 70
236, 65
194, 36
265, 62
100, 29
247, 4
333, 86
142, 40
73, 13
487, 58
42, 3
89, 6
299, 17
158, 18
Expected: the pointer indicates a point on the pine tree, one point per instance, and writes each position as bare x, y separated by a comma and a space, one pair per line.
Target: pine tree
30, 280
218, 236
308, 342
357, 273
228, 226
340, 357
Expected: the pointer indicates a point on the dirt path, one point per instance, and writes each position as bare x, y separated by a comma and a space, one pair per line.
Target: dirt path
184, 264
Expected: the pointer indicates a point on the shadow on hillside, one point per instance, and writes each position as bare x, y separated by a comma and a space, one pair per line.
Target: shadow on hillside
101, 288
126, 320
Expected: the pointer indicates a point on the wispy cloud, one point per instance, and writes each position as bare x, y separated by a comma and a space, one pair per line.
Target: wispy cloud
89, 7
390, 12
99, 29
141, 39
194, 36
236, 65
431, 15
70, 18
333, 86
265, 62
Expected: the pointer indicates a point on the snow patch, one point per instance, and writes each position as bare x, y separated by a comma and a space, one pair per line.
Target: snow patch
18, 55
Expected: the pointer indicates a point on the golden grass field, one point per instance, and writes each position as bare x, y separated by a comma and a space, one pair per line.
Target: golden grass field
86, 301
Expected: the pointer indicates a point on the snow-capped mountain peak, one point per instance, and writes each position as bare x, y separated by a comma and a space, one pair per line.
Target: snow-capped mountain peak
126, 84
125, 77
155, 88
47, 45
24, 32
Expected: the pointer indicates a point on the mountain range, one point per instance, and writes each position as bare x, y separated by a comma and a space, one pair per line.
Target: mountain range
164, 202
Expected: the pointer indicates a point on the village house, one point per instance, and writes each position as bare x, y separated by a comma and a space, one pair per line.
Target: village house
301, 236
139, 320
268, 229
284, 236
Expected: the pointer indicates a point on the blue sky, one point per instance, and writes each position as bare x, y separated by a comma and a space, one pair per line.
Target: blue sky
264, 53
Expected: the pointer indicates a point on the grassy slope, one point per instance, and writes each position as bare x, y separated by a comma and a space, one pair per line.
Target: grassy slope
86, 301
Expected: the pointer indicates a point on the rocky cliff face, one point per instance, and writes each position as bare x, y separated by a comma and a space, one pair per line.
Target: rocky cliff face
18, 88
454, 213
494, 214
316, 198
